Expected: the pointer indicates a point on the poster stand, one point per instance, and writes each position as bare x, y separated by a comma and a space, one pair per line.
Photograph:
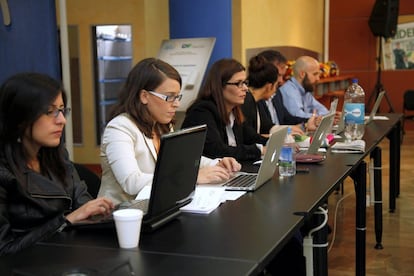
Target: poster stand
189, 56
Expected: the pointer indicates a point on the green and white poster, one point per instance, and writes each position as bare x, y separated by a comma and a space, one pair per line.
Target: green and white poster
189, 56
398, 52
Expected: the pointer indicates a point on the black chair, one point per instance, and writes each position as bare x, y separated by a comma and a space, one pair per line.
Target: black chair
408, 106
92, 180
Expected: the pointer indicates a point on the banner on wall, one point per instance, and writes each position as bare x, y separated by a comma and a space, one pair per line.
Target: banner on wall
398, 52
189, 56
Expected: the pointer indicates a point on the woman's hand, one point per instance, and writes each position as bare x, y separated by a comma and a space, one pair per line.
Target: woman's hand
212, 174
230, 164
99, 206
219, 173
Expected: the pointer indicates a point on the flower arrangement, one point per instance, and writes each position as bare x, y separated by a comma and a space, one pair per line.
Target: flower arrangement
327, 69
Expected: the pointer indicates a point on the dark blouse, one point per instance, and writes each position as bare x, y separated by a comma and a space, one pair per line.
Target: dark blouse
216, 145
250, 110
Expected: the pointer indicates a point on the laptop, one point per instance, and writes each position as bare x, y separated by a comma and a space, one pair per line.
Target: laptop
338, 129
332, 109
319, 135
334, 105
174, 181
252, 181
375, 108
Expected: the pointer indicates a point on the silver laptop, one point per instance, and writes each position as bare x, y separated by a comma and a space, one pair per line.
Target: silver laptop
319, 135
338, 129
375, 108
334, 105
252, 181
332, 109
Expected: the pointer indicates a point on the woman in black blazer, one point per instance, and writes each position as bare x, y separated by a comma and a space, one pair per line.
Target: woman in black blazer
262, 77
219, 106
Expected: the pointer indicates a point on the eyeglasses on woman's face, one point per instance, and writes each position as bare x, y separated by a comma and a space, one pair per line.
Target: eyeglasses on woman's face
239, 84
167, 98
54, 113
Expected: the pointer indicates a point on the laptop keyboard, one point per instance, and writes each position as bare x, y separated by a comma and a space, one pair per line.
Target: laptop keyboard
242, 180
134, 204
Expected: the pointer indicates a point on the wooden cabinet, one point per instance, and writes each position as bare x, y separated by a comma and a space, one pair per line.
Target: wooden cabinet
331, 87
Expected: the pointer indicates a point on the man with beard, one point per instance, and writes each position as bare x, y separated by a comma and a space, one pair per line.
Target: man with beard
297, 91
273, 109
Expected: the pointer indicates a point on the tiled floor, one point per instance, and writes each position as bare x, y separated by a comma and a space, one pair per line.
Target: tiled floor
397, 256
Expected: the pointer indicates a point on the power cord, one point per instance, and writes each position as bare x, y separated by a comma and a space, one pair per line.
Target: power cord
335, 217
369, 200
308, 244
308, 239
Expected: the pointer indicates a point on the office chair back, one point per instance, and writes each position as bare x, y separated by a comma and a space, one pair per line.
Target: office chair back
408, 106
92, 180
409, 100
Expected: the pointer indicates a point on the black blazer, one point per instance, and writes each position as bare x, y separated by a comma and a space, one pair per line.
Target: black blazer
250, 108
283, 115
216, 145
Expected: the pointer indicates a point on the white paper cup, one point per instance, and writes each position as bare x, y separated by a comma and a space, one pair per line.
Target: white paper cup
128, 227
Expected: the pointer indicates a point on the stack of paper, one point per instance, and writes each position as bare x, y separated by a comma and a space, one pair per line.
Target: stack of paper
205, 200
356, 146
378, 118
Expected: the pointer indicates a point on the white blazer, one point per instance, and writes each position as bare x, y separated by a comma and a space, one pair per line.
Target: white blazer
128, 160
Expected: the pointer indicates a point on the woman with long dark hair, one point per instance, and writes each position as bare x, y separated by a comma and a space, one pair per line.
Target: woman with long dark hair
219, 106
40, 191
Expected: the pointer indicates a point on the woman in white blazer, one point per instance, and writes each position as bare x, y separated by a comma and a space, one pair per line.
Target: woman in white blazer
130, 142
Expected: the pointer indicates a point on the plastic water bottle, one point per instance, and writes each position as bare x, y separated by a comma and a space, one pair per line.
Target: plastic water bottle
287, 162
354, 101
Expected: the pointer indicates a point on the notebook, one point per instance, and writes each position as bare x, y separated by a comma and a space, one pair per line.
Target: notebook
375, 108
319, 135
252, 181
174, 181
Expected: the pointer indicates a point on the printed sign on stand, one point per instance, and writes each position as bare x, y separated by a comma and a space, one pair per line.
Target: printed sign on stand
189, 56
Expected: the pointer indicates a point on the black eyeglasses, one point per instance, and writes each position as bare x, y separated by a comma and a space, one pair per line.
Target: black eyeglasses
239, 84
55, 112
169, 98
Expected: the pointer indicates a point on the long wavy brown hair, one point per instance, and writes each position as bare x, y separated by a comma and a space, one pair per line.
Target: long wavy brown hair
147, 74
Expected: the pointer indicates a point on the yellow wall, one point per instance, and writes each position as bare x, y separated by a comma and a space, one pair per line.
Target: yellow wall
150, 25
259, 23
269, 23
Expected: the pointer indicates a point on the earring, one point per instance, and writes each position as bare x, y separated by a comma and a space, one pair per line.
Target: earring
19, 140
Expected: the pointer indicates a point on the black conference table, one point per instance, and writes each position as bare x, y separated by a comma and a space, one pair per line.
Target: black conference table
256, 226
51, 259
238, 238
